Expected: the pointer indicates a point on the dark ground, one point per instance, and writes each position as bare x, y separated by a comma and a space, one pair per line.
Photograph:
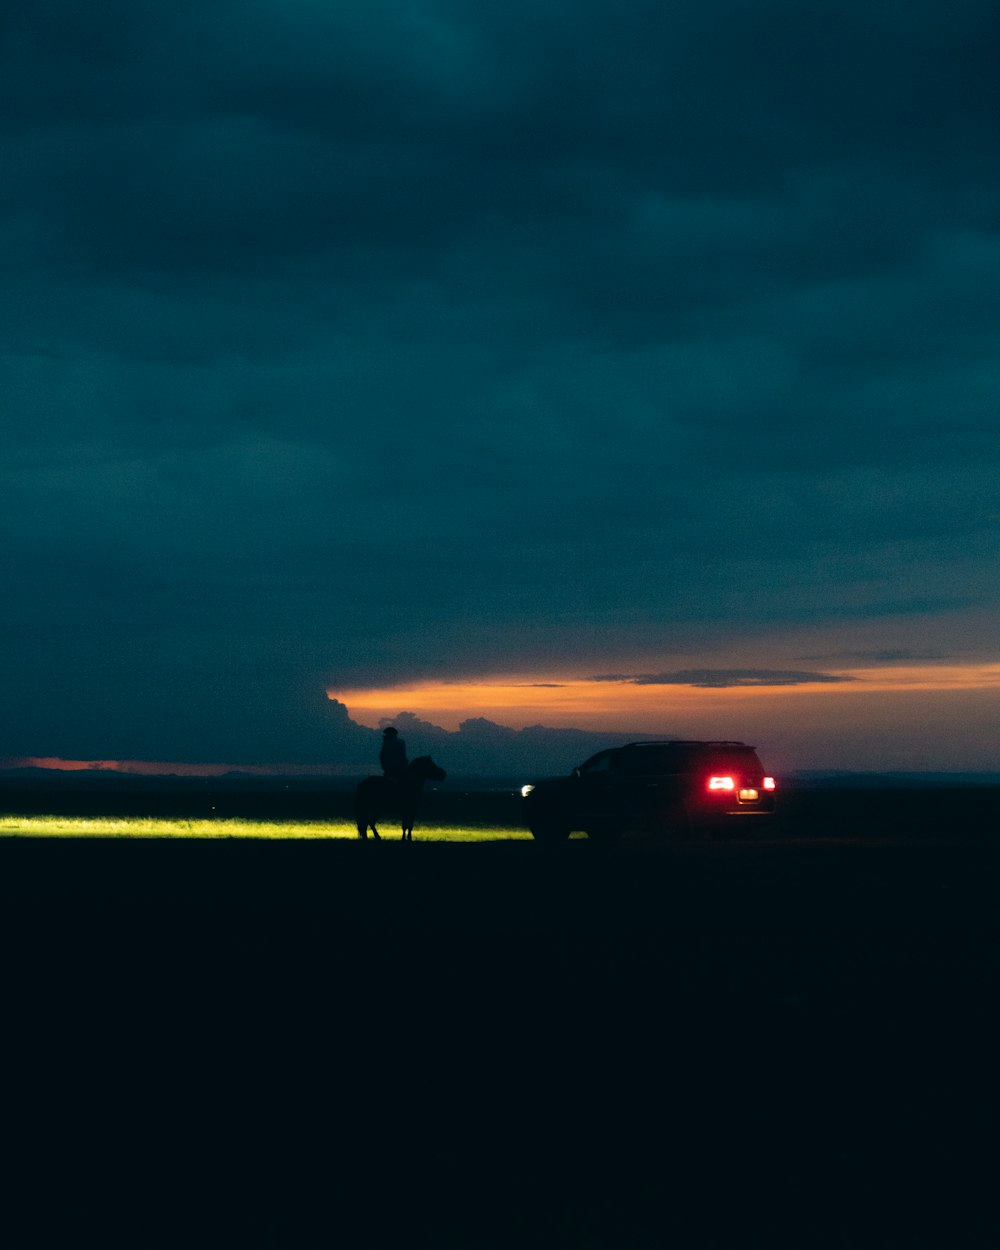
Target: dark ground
792, 1041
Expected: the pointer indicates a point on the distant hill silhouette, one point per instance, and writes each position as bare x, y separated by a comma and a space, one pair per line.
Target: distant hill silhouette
481, 747
478, 749
829, 779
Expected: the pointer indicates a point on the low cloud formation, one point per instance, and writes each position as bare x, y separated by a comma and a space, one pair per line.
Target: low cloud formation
721, 678
482, 748
897, 655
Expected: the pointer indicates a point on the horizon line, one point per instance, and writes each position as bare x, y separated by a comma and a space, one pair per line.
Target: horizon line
183, 770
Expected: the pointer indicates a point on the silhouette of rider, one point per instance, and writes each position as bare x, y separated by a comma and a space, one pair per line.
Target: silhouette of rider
392, 757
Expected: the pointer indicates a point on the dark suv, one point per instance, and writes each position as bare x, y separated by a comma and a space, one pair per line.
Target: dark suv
678, 788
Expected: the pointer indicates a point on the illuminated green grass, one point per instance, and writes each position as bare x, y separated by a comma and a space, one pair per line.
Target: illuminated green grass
143, 827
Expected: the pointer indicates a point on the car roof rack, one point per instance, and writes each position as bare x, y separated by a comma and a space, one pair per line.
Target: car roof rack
690, 742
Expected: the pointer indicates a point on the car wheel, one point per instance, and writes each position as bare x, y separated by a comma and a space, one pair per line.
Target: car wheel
604, 835
549, 830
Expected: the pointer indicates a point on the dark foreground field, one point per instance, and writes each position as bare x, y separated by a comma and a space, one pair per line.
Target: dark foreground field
792, 1041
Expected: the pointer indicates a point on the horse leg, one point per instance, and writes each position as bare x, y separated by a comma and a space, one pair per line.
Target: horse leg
368, 802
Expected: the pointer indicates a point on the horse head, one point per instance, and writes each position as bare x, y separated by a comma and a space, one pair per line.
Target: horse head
424, 769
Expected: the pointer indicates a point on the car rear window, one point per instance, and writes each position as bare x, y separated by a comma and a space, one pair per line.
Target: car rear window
688, 759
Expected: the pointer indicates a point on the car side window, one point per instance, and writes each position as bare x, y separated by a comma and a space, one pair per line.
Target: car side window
629, 764
599, 766
639, 763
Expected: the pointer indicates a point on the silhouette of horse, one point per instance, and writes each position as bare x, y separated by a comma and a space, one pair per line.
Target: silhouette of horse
375, 795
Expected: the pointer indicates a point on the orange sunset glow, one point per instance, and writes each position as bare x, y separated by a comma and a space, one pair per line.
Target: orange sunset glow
158, 768
907, 717
642, 707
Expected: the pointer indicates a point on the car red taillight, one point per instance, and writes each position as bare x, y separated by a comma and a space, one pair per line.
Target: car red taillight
721, 783
768, 784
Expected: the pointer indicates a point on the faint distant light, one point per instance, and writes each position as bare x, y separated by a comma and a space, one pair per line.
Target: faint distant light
525, 791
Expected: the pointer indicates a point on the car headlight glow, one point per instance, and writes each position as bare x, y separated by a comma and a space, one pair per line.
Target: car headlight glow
525, 791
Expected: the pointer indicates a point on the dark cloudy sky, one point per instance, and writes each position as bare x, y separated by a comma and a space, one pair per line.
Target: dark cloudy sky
349, 346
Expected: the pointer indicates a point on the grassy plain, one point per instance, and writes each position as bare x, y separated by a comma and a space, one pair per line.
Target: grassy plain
783, 1041
37, 826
